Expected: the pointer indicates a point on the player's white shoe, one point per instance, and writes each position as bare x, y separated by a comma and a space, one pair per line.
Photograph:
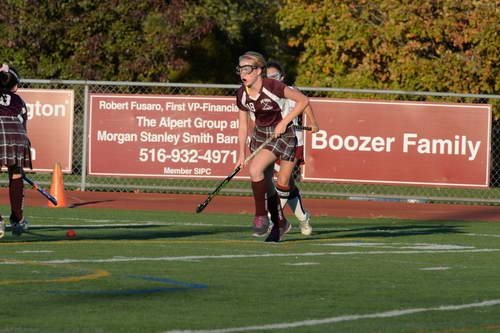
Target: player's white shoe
2, 228
305, 226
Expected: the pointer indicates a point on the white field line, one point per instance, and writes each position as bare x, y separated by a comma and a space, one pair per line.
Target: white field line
483, 235
159, 224
331, 320
415, 246
265, 255
302, 264
35, 251
142, 223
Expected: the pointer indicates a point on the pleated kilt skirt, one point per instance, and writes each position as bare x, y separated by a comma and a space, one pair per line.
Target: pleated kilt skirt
283, 147
15, 147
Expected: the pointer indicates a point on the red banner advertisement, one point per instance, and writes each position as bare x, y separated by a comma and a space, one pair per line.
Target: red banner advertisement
400, 143
50, 127
163, 136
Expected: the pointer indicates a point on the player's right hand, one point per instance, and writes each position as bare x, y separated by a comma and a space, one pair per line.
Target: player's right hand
240, 162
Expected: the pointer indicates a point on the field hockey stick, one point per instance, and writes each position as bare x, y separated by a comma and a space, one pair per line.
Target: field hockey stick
302, 128
40, 189
205, 203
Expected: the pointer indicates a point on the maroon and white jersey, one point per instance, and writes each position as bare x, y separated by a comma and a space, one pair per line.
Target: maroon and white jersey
268, 108
11, 105
298, 121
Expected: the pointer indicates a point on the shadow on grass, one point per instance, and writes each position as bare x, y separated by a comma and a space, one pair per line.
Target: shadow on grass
117, 233
398, 231
75, 205
383, 231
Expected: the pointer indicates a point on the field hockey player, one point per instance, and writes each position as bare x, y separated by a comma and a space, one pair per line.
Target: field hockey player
290, 194
15, 153
262, 99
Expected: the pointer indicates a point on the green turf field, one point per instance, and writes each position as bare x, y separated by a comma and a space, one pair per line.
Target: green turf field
134, 271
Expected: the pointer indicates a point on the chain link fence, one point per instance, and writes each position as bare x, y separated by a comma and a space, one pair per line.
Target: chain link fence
80, 180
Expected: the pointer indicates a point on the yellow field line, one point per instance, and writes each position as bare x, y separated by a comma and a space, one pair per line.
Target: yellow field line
99, 273
96, 273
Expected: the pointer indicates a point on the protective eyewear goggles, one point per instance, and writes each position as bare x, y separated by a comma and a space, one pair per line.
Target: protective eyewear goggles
275, 76
246, 69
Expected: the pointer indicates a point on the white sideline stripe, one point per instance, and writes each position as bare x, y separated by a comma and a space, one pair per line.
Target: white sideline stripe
133, 222
302, 264
35, 251
159, 224
483, 235
265, 255
387, 314
415, 246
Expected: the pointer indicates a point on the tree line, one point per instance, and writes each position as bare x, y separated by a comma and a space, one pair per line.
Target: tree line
427, 45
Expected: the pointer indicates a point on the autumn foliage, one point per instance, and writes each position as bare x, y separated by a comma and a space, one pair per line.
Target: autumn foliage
427, 45
441, 46
99, 40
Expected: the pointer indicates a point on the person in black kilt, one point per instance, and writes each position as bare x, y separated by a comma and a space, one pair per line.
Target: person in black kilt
15, 147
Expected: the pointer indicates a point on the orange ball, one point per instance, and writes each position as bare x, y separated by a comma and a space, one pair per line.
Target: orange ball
70, 234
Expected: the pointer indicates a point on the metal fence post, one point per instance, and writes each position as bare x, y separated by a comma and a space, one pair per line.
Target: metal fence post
85, 138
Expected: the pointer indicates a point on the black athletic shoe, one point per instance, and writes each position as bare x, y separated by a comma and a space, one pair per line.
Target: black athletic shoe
277, 234
18, 227
274, 235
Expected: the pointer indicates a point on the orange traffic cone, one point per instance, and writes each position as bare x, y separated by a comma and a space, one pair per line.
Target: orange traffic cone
57, 187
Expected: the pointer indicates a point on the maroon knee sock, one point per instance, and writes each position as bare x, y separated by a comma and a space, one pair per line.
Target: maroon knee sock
16, 195
260, 196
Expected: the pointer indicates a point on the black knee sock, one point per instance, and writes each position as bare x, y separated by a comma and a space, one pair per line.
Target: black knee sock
295, 203
276, 210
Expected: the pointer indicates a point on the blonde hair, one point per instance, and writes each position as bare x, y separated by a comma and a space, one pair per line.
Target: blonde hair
257, 59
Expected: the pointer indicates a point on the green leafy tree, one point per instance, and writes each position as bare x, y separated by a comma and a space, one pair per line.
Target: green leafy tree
99, 40
238, 26
428, 45
151, 40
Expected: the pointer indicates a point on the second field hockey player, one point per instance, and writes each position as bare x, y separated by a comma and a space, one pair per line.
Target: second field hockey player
291, 170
